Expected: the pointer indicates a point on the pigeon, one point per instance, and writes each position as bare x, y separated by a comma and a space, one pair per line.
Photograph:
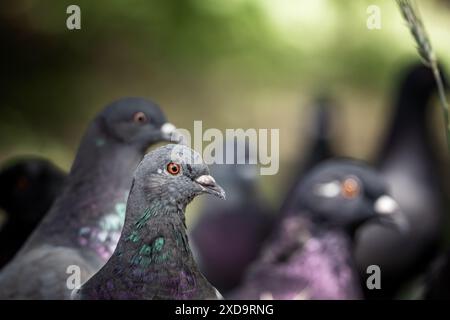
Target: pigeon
80, 232
153, 259
310, 254
228, 234
28, 187
319, 147
410, 166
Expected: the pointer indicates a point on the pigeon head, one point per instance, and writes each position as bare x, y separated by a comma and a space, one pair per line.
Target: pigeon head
28, 187
418, 82
175, 174
347, 193
135, 121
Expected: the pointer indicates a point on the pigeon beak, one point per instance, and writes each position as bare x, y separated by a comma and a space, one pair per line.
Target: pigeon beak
389, 213
169, 133
209, 185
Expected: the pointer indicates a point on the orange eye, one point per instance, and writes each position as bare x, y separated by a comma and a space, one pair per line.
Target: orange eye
173, 168
350, 188
140, 117
22, 183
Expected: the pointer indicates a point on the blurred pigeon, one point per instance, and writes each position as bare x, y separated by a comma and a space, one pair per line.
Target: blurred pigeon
310, 254
409, 166
319, 147
228, 234
82, 228
28, 187
153, 259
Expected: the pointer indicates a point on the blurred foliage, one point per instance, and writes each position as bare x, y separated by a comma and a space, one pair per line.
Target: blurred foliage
230, 63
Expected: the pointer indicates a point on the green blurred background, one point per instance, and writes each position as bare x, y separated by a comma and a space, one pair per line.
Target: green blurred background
230, 63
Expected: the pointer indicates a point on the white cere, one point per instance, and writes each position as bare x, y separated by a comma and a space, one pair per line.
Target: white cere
328, 190
385, 205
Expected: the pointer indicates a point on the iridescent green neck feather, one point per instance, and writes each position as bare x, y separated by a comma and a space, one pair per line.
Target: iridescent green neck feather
153, 259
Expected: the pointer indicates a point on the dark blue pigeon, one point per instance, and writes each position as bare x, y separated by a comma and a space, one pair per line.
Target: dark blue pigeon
153, 259
83, 226
28, 187
408, 162
310, 254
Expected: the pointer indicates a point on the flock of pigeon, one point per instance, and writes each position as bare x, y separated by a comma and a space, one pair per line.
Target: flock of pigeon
118, 217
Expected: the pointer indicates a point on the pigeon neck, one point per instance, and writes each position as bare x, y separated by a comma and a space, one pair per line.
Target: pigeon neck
154, 246
156, 236
102, 174
298, 232
102, 171
408, 131
319, 226
91, 210
320, 230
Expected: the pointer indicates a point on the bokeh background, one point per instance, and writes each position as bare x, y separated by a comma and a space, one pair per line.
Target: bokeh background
232, 64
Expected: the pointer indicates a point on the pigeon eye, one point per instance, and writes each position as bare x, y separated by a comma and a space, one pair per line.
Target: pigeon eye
350, 188
140, 117
173, 168
22, 184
